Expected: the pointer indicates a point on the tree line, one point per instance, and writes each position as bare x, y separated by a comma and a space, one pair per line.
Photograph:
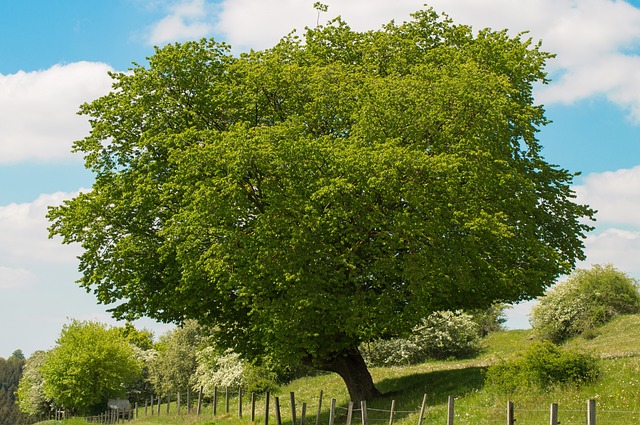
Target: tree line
10, 373
92, 362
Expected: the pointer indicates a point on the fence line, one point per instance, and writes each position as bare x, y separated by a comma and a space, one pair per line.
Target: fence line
426, 415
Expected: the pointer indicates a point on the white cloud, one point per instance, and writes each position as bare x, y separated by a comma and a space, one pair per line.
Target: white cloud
618, 247
16, 278
39, 110
615, 195
187, 19
24, 238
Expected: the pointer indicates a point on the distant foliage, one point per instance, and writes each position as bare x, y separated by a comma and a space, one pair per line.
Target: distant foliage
10, 372
490, 320
442, 335
588, 299
541, 365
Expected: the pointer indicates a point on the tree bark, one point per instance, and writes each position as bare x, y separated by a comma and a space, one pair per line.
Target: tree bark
350, 365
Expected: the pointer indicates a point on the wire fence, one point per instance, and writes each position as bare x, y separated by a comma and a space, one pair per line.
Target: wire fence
269, 409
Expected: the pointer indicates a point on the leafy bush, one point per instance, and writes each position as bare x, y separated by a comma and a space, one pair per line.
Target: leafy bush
442, 335
589, 298
541, 365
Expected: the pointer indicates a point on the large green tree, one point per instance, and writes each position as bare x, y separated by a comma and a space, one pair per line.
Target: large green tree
327, 191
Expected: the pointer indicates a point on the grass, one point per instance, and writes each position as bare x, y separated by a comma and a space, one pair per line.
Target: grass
617, 391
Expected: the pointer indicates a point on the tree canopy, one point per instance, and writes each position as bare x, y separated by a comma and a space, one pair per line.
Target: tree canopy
333, 189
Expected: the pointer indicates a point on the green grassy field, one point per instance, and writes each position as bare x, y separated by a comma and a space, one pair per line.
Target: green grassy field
617, 391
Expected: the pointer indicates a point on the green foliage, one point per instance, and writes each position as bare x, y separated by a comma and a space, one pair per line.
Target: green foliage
326, 191
442, 335
89, 364
31, 397
586, 300
541, 365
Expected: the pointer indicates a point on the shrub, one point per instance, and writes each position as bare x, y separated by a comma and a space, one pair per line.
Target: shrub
540, 366
588, 299
442, 335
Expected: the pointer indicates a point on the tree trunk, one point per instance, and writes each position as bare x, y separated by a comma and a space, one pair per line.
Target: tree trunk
350, 365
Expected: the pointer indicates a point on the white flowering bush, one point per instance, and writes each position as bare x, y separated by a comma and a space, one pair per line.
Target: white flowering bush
588, 299
442, 335
228, 369
448, 334
218, 370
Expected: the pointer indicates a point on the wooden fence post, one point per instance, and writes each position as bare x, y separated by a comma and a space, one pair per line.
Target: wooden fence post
253, 407
159, 400
278, 417
350, 413
591, 412
292, 400
152, 405
188, 400
168, 401
215, 400
178, 405
303, 414
319, 409
553, 414
365, 418
422, 409
240, 403
450, 410
510, 413
391, 412
332, 411
266, 409
199, 401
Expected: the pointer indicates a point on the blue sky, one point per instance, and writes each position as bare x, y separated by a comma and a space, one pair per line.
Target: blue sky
54, 55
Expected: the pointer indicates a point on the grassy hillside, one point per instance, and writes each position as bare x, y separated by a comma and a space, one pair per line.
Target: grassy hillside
617, 391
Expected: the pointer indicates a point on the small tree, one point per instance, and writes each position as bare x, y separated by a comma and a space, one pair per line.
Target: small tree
31, 397
589, 298
90, 364
175, 364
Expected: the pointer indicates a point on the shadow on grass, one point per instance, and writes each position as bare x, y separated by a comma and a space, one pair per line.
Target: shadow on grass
438, 385
408, 391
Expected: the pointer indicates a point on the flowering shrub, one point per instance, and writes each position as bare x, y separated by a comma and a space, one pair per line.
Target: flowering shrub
588, 299
228, 369
218, 370
541, 365
442, 335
